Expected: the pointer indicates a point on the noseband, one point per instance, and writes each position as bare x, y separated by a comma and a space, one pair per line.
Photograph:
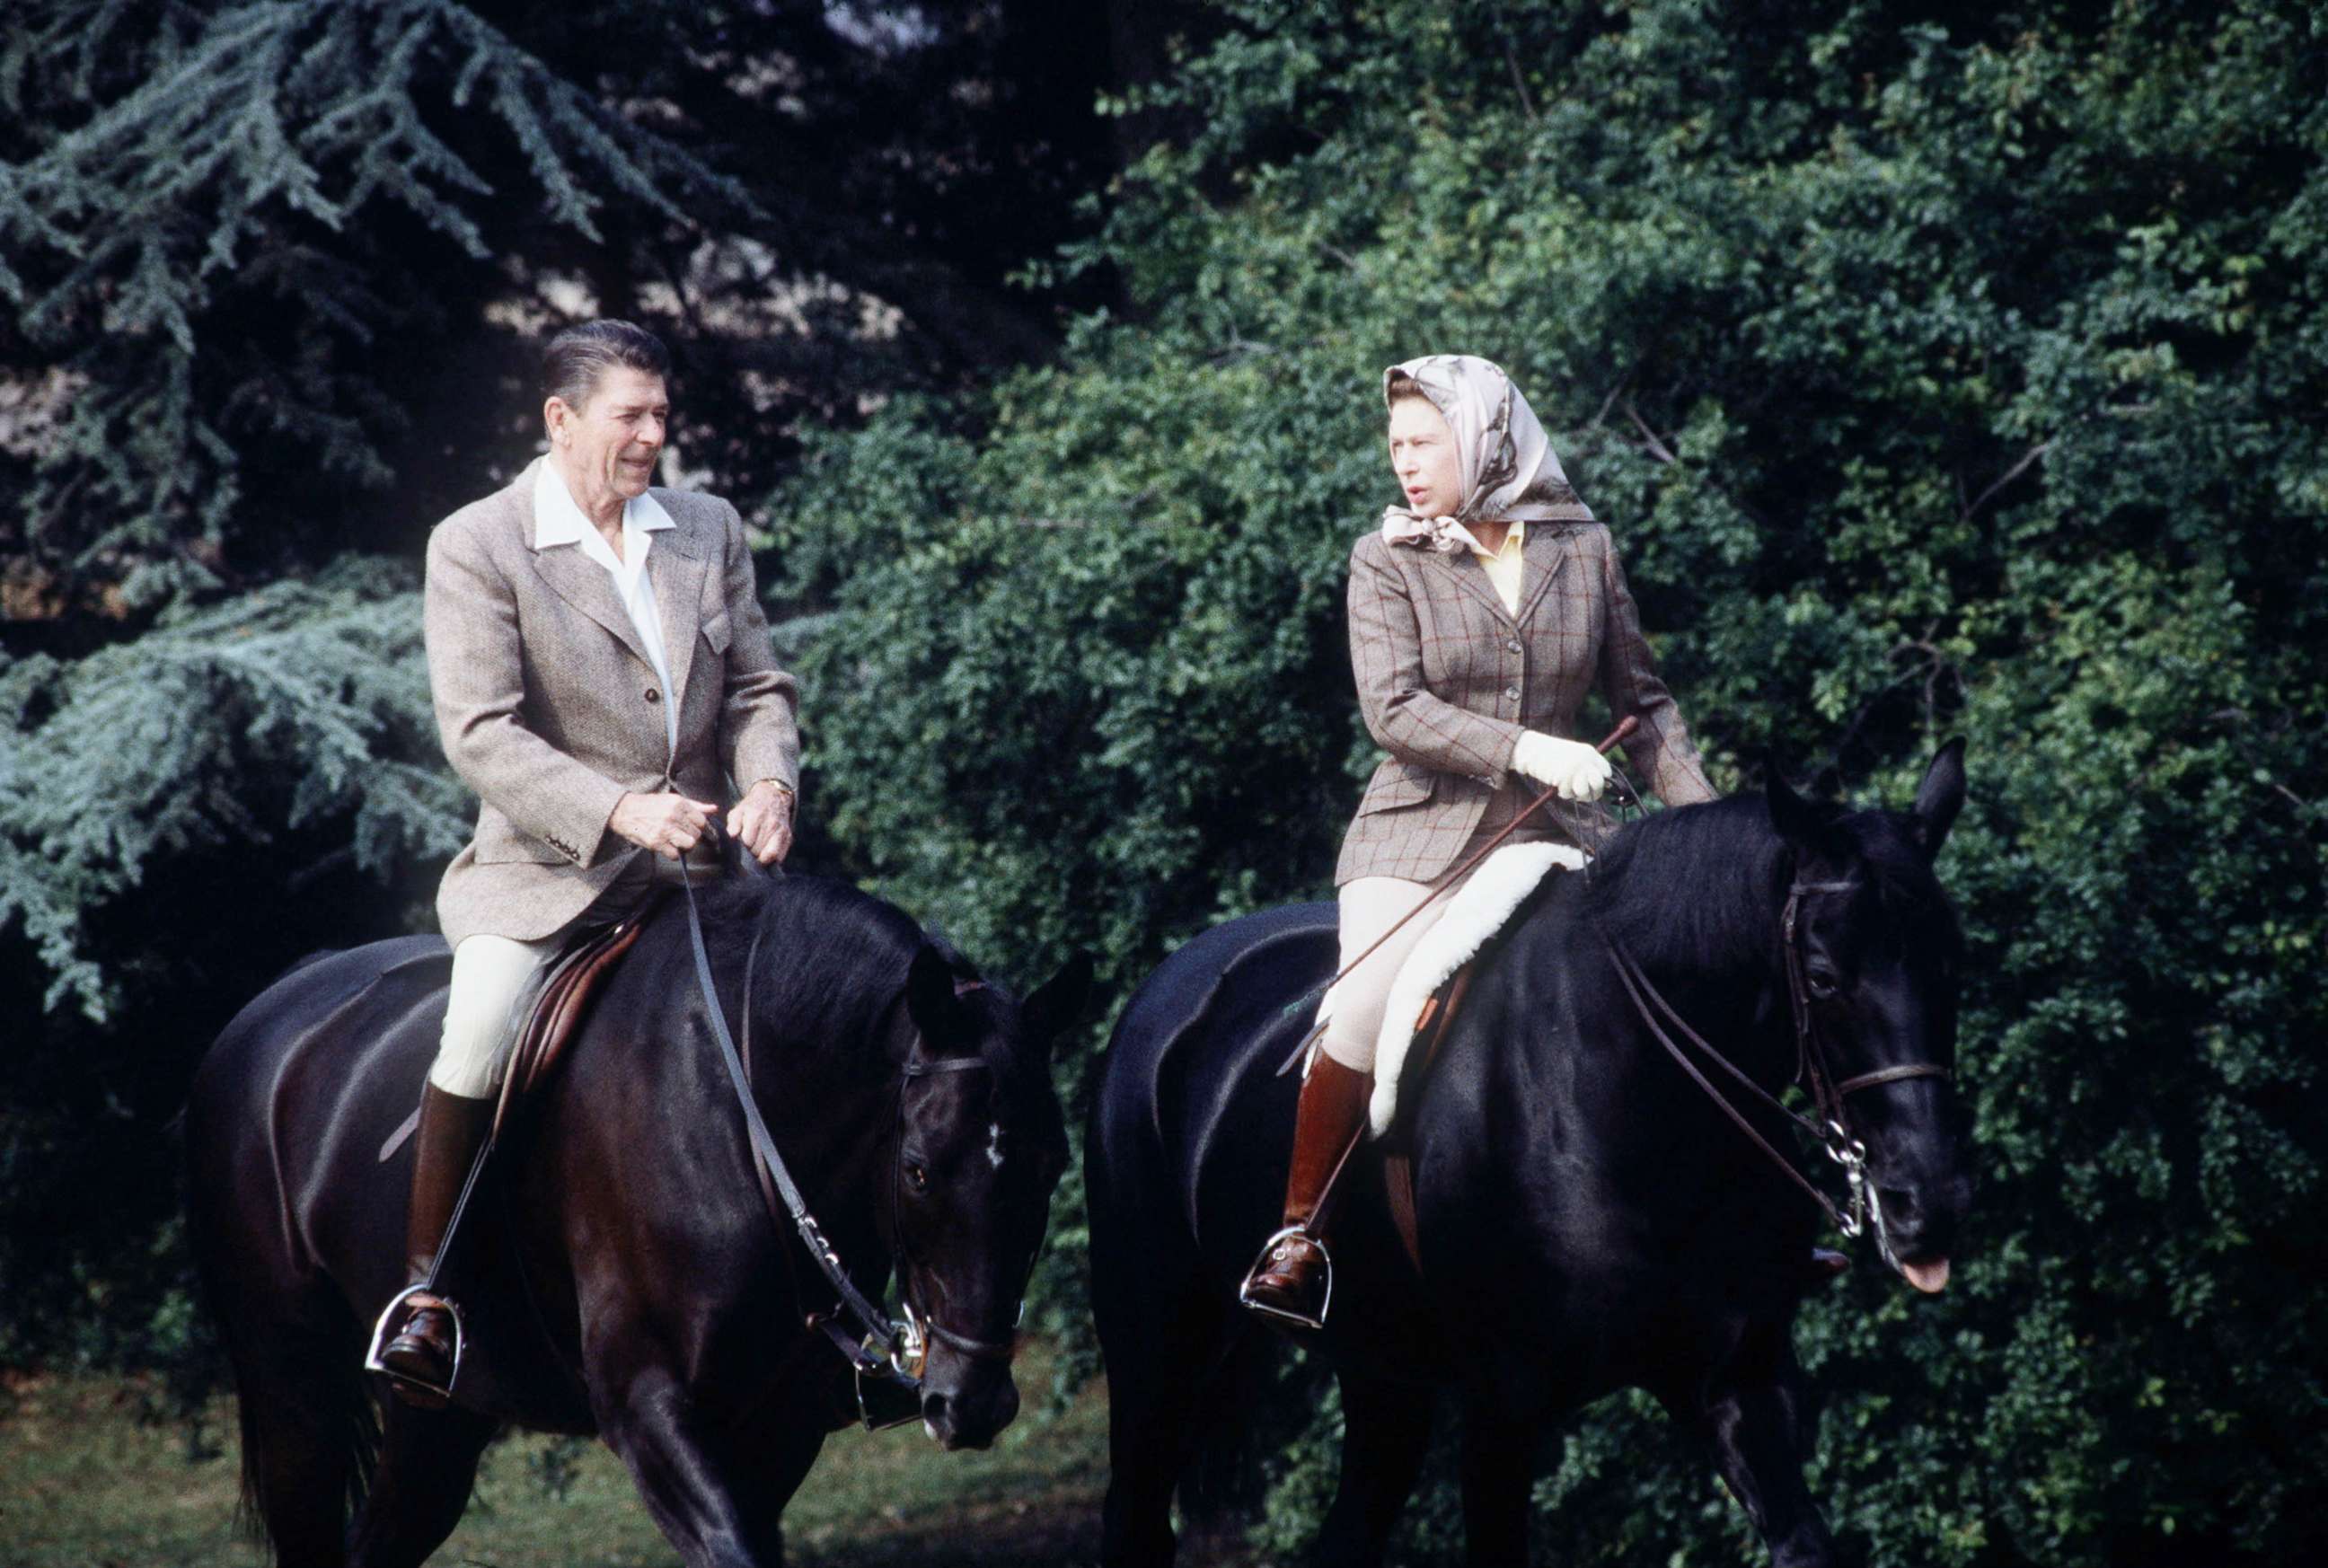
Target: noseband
1812, 1069
875, 1344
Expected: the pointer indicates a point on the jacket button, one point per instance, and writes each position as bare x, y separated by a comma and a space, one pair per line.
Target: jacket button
653, 695
1512, 692
1514, 644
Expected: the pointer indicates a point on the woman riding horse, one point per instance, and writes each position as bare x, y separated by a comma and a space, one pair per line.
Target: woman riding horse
599, 662
1481, 613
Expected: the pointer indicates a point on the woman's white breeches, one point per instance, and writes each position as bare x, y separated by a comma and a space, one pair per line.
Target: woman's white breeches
1352, 1011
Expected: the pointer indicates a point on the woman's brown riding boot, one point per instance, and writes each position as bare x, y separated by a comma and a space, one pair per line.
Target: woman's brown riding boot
1293, 1279
452, 1127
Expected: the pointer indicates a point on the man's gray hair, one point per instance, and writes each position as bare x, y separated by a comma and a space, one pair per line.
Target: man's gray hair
576, 357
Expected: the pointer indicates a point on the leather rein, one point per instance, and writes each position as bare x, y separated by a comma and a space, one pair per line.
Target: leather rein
1812, 1069
875, 1344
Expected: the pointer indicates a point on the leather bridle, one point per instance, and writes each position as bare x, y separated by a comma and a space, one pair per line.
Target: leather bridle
1000, 1347
875, 1344
1813, 1069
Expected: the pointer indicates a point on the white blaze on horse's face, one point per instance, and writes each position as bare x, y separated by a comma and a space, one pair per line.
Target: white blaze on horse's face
994, 1144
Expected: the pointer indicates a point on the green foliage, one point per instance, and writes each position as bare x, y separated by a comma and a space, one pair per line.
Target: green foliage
242, 151
303, 703
1935, 377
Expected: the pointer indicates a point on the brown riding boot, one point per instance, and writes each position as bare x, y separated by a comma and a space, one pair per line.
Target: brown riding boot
453, 1128
1293, 1279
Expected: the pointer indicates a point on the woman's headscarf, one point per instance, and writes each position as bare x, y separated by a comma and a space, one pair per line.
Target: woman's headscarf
1509, 469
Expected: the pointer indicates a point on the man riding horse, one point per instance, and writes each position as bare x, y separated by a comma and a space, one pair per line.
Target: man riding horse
600, 667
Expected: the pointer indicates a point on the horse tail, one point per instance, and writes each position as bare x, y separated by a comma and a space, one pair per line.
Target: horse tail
333, 1442
1244, 1414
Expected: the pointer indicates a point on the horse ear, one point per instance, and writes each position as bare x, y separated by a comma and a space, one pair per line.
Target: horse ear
1940, 796
930, 996
1056, 1002
1792, 815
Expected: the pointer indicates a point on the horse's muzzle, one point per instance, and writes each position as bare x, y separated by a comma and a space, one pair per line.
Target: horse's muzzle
1922, 1225
971, 1415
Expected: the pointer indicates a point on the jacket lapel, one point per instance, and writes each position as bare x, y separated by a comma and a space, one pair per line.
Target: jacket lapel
583, 583
1545, 555
1464, 570
677, 573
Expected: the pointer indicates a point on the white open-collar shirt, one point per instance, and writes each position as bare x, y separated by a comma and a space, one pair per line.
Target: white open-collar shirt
558, 521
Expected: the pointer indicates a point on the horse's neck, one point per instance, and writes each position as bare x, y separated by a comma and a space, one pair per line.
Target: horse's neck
1734, 999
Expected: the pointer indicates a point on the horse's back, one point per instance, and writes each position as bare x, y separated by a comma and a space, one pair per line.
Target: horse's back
290, 1106
1197, 1045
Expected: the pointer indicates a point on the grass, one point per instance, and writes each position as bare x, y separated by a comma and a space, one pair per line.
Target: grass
88, 1480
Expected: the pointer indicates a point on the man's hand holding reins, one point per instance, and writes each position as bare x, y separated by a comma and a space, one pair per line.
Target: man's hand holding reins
669, 824
762, 820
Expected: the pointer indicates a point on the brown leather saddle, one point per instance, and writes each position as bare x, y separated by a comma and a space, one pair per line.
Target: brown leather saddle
1430, 1029
559, 1002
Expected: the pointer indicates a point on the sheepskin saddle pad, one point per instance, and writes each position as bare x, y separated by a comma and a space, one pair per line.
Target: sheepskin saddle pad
1475, 912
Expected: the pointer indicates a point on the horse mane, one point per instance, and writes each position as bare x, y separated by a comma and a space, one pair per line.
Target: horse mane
863, 946
1696, 887
862, 942
1692, 886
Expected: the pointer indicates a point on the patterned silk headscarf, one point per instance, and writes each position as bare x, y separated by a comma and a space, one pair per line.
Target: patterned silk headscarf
1509, 470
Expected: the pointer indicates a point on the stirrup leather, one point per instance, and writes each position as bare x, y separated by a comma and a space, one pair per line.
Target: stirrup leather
1246, 1299
394, 1314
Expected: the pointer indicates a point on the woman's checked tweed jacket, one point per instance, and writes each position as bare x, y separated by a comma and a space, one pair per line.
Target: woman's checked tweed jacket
1447, 680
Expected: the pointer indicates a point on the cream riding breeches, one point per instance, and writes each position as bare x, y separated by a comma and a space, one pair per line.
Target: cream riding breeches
491, 975
1352, 1011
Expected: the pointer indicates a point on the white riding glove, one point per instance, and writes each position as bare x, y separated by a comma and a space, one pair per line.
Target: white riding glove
1573, 768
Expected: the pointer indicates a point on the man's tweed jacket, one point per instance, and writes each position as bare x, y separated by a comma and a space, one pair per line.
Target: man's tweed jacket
1447, 680
550, 710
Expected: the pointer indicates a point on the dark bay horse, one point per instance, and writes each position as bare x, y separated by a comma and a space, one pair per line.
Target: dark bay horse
623, 1275
1589, 1218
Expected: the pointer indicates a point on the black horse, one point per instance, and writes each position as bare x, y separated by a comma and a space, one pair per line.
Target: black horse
624, 1275
1589, 1218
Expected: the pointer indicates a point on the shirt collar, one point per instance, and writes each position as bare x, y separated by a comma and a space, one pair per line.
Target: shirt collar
1514, 540
557, 519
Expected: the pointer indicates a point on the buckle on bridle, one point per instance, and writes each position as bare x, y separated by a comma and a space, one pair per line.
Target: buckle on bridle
909, 1351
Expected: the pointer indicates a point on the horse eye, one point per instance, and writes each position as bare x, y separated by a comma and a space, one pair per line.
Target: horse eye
1822, 983
919, 1177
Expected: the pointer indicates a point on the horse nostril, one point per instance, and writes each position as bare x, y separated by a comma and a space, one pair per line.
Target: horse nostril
1902, 1208
934, 1411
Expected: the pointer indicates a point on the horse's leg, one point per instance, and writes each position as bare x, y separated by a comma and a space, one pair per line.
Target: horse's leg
702, 1485
1386, 1430
1164, 1348
427, 1467
1499, 1470
1752, 1415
